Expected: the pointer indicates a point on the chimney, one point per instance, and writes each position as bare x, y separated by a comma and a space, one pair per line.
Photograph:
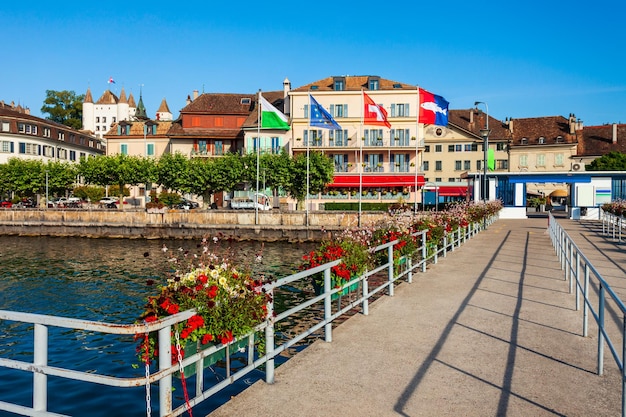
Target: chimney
471, 116
509, 124
188, 99
614, 133
195, 94
286, 89
572, 123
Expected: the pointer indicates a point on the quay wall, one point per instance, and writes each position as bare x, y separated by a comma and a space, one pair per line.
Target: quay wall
181, 224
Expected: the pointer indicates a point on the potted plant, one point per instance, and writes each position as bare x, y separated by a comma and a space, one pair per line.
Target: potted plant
155, 207
228, 302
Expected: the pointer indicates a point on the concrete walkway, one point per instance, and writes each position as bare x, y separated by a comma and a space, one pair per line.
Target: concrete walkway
491, 330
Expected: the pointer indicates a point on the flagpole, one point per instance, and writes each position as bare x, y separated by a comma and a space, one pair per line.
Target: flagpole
361, 157
258, 152
306, 198
417, 141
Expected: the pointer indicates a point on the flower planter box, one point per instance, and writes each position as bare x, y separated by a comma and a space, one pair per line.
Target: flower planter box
156, 210
318, 286
212, 359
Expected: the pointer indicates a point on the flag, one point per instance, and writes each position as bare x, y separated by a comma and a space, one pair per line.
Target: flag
320, 117
433, 109
271, 117
111, 81
491, 159
374, 114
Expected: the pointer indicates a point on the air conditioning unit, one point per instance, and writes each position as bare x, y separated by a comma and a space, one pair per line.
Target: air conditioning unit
576, 167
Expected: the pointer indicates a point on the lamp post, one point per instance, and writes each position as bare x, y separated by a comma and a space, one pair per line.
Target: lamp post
485, 135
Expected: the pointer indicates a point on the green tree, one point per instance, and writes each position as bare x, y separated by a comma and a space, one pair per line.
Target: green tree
172, 171
320, 173
64, 107
613, 161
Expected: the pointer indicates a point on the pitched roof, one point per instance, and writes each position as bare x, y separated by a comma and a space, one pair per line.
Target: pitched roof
473, 120
123, 96
136, 128
88, 97
355, 83
163, 107
219, 103
553, 130
598, 140
108, 98
131, 101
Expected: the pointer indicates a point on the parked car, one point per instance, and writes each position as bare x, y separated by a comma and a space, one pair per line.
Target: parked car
6, 204
187, 204
109, 202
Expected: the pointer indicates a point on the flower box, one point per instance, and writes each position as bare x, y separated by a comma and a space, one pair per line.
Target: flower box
156, 210
213, 358
318, 286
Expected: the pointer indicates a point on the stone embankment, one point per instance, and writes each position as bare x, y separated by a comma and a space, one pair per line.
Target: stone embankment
292, 226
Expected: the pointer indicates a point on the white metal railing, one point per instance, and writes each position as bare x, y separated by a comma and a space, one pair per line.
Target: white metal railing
581, 274
40, 369
612, 225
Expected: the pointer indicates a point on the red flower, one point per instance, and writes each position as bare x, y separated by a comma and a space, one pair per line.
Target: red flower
212, 291
206, 338
170, 307
226, 337
203, 278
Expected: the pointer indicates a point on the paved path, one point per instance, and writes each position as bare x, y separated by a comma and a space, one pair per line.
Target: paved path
491, 330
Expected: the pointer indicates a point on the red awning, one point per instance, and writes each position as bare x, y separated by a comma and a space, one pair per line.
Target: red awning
449, 190
376, 180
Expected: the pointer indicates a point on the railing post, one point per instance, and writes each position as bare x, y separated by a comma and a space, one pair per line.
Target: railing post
424, 251
585, 306
165, 362
390, 269
269, 340
366, 303
40, 358
328, 327
445, 244
409, 263
601, 307
578, 281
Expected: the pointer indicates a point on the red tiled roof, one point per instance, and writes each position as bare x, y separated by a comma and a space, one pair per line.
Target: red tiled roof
598, 140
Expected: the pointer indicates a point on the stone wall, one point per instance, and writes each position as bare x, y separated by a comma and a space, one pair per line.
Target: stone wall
180, 224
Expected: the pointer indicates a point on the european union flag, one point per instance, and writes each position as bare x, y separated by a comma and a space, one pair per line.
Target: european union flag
320, 117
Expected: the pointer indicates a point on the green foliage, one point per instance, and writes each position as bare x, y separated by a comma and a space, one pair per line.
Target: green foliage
115, 190
320, 169
169, 199
89, 193
613, 161
64, 107
172, 170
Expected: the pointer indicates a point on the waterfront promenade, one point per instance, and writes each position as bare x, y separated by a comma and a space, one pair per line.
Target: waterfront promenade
491, 330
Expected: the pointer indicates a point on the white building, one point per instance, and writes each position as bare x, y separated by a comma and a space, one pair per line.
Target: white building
28, 137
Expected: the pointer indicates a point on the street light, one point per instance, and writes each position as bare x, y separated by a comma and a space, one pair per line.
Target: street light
485, 135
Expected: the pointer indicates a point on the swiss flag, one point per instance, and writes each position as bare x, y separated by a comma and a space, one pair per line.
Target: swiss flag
374, 114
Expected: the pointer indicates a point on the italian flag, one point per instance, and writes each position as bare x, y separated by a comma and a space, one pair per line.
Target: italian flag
271, 117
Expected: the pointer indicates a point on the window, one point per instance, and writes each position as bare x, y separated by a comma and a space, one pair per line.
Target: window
339, 110
437, 179
373, 137
150, 149
558, 159
341, 162
425, 166
219, 147
427, 148
6, 127
450, 148
400, 163
373, 83
46, 132
500, 146
7, 146
124, 149
245, 101
97, 119
104, 119
457, 165
468, 147
479, 165
219, 122
524, 141
541, 140
338, 137
467, 165
401, 137
374, 163
523, 160
541, 160
72, 155
502, 164
313, 137
202, 146
437, 148
400, 110
339, 84
437, 165
114, 119
61, 136
458, 148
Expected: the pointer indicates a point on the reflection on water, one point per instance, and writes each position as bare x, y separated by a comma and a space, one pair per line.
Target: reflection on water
101, 280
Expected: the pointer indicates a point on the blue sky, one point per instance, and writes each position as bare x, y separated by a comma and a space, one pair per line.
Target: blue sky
524, 59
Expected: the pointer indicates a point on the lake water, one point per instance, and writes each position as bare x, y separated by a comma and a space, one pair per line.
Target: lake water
102, 280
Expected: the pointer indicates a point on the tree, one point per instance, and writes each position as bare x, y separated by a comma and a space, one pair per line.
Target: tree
64, 107
320, 173
613, 161
172, 170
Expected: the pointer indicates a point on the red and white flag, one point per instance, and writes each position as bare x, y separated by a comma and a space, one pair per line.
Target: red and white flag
111, 81
374, 114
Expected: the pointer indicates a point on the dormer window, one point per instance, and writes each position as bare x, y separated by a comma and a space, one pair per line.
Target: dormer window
373, 83
397, 86
559, 139
314, 87
339, 83
245, 101
524, 141
541, 140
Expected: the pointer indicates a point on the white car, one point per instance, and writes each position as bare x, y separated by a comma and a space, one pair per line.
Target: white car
109, 201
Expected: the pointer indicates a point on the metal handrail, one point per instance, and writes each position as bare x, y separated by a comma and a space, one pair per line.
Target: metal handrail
612, 225
580, 272
416, 262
